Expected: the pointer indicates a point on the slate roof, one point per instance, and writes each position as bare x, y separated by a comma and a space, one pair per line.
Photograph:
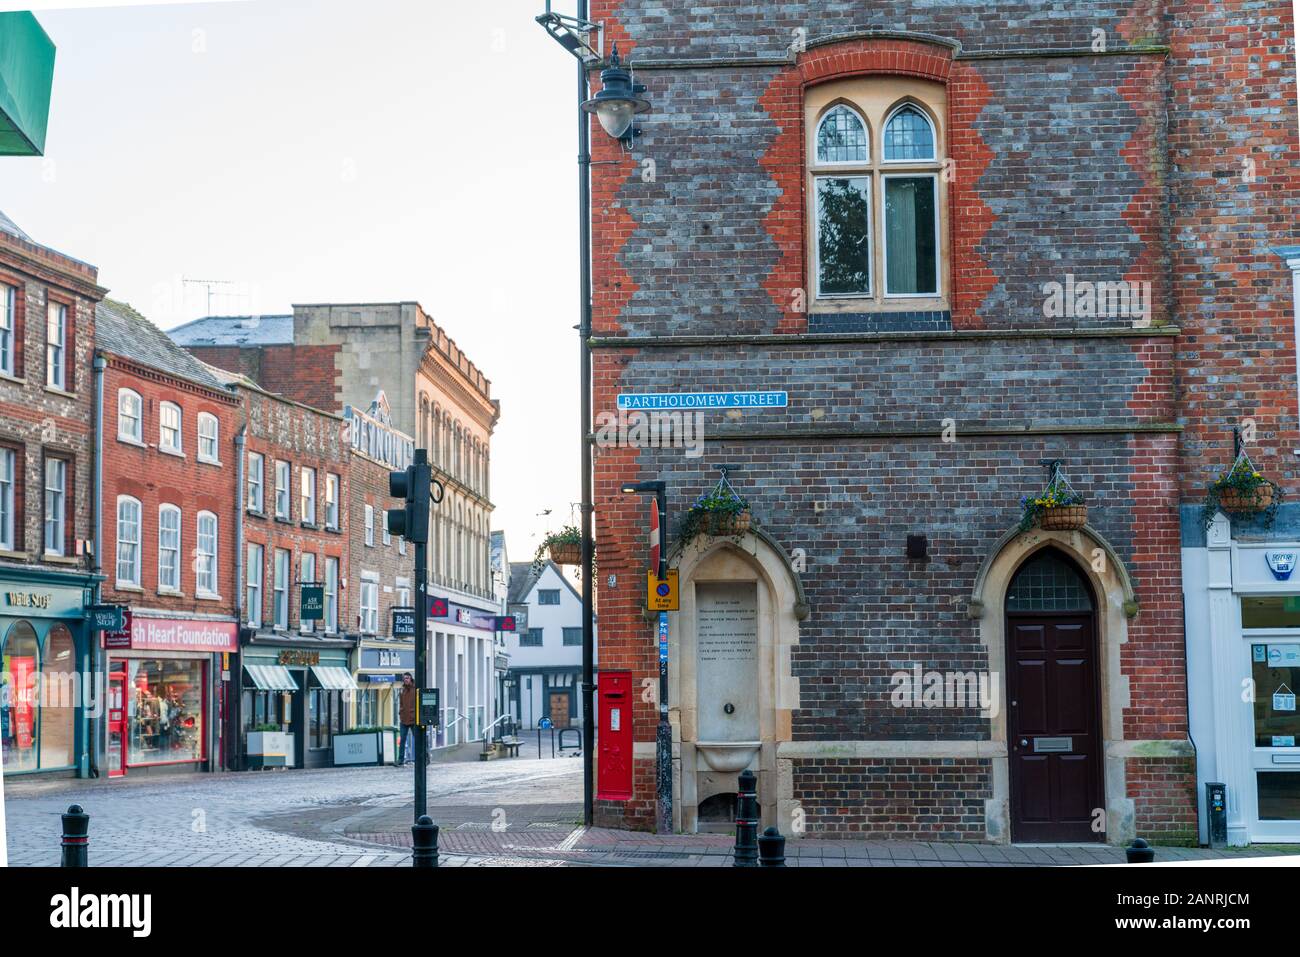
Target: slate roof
9, 226
523, 576
235, 331
121, 330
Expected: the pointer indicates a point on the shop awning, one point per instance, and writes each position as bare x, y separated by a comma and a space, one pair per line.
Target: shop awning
271, 677
334, 678
26, 79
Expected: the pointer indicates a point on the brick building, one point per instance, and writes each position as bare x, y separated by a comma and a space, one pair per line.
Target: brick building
296, 675
965, 240
333, 355
380, 565
170, 505
47, 575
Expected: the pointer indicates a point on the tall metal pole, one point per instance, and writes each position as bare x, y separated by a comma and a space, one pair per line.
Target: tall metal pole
584, 357
663, 730
421, 656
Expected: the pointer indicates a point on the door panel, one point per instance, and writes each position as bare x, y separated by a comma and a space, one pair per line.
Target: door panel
559, 709
1053, 727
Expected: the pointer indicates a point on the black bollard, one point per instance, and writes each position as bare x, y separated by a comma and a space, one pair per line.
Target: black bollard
424, 842
747, 821
771, 848
76, 838
1140, 852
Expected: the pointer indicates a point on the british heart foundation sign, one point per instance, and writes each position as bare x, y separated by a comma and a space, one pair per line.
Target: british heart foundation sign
180, 634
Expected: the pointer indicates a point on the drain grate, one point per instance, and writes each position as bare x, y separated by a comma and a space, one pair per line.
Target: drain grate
549, 824
672, 855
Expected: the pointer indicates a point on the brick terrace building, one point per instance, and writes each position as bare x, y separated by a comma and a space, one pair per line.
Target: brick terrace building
47, 332
866, 206
295, 671
170, 513
380, 565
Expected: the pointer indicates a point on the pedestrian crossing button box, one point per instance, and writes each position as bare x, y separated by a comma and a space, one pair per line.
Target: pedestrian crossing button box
429, 709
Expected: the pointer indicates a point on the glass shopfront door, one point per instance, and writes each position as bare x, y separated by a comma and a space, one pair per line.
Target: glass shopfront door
1275, 674
116, 724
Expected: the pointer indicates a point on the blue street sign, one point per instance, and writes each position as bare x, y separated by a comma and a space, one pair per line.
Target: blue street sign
703, 400
663, 636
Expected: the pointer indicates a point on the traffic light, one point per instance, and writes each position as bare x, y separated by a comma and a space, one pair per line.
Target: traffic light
412, 484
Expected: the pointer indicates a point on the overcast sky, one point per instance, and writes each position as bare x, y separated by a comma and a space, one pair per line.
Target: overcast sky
324, 150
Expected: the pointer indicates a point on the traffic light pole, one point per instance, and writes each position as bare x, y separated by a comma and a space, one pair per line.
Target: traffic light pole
421, 669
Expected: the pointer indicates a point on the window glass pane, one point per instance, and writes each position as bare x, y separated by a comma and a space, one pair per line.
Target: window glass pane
7, 460
58, 699
1048, 582
164, 711
908, 136
844, 235
1279, 795
8, 298
841, 138
1271, 611
169, 548
1275, 670
910, 242
18, 700
205, 570
55, 477
128, 542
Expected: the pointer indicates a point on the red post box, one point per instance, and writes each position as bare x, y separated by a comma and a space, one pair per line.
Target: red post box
614, 737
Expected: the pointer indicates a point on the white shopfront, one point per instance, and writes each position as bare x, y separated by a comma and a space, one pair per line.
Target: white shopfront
1242, 608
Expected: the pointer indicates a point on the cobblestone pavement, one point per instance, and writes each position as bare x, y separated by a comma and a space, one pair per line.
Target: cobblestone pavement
256, 818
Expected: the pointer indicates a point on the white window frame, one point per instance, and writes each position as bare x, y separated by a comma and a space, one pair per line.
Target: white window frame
178, 448
280, 588
934, 137
870, 292
331, 593
306, 575
55, 520
56, 363
8, 485
256, 486
282, 489
8, 328
123, 397
333, 485
128, 548
206, 560
173, 584
213, 457
401, 544
387, 535
368, 614
253, 577
370, 525
938, 238
307, 495
833, 164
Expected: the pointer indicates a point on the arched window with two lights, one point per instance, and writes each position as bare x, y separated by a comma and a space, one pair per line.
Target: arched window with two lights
877, 206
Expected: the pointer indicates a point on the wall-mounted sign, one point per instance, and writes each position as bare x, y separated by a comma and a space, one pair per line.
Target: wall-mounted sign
403, 622
703, 400
519, 611
437, 607
27, 599
464, 616
179, 634
1284, 740
1284, 699
505, 623
107, 617
311, 606
1281, 564
294, 657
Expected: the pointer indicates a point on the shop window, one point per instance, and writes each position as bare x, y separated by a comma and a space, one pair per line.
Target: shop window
324, 717
1270, 611
164, 711
58, 694
1279, 795
19, 706
1275, 671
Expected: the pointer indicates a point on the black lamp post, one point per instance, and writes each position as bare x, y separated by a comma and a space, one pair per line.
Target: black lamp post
618, 99
664, 730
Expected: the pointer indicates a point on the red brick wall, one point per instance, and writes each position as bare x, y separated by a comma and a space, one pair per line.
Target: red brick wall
369, 486
306, 374
1163, 790
156, 478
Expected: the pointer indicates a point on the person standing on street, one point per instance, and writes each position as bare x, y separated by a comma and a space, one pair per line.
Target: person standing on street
407, 704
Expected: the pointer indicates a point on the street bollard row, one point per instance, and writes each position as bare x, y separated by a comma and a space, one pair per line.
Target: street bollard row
751, 849
424, 842
76, 838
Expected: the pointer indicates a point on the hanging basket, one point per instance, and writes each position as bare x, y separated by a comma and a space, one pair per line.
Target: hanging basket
1064, 518
565, 553
728, 524
1246, 500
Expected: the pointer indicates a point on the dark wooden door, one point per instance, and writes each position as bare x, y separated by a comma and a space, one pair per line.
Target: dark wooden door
1054, 728
559, 709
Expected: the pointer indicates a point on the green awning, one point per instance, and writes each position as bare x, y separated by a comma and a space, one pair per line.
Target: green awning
26, 78
271, 677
